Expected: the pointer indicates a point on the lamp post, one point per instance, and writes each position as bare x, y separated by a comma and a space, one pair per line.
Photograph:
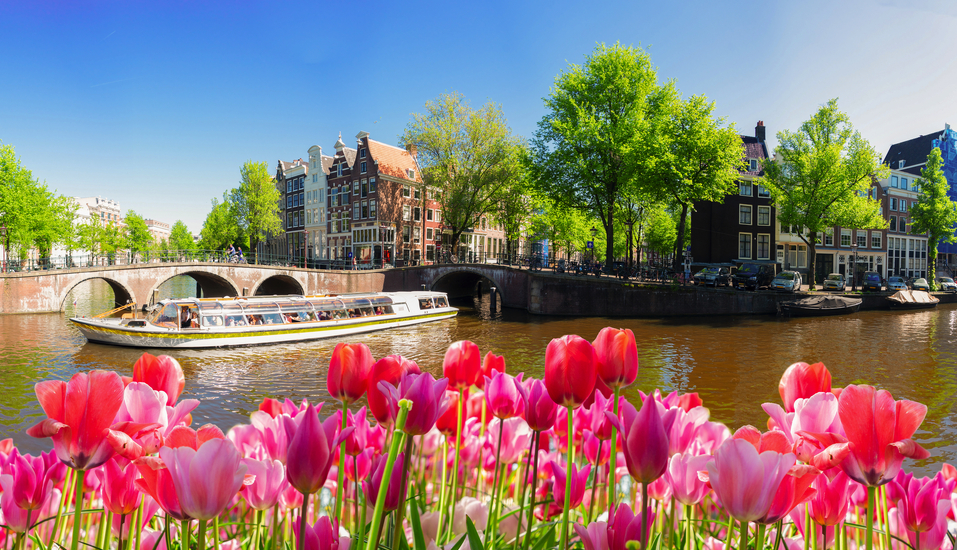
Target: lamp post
629, 224
3, 244
854, 267
593, 232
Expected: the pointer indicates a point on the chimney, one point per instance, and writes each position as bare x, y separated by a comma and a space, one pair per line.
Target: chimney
759, 131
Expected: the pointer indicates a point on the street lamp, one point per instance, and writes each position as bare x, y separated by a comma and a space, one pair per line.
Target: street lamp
854, 267
593, 232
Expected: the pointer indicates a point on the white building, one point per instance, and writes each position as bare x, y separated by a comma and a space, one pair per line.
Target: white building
315, 208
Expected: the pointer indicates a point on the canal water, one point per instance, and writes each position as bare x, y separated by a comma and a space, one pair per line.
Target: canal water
734, 363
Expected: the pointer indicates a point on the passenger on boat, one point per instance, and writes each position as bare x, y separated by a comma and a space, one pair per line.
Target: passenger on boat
378, 310
255, 319
353, 313
184, 317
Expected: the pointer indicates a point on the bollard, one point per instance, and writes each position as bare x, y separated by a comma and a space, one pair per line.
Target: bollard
492, 302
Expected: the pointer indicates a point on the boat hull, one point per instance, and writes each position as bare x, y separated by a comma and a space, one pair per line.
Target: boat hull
796, 311
110, 332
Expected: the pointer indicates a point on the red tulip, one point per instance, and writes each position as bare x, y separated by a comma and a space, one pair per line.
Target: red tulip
349, 371
311, 451
490, 365
504, 395
428, 399
617, 357
161, 373
448, 422
579, 483
569, 370
645, 442
388, 369
462, 365
879, 430
540, 410
80, 413
801, 380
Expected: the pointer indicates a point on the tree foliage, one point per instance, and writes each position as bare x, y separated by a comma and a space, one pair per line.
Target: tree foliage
180, 238
137, 235
221, 227
934, 212
468, 158
821, 177
256, 202
591, 145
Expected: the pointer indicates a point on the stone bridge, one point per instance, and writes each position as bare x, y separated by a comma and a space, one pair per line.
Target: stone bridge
47, 291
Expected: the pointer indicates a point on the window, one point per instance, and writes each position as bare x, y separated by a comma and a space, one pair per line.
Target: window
372, 185
405, 191
744, 215
829, 237
902, 225
893, 203
365, 188
763, 192
405, 233
862, 239
308, 217
362, 153
428, 233
904, 183
764, 215
893, 226
416, 235
314, 176
365, 209
429, 214
302, 197
438, 216
753, 165
295, 219
406, 212
355, 211
798, 256
417, 214
903, 205
894, 181
411, 174
744, 188
339, 169
900, 165
418, 193
288, 201
355, 187
372, 208
875, 239
764, 246
744, 246
362, 167
845, 237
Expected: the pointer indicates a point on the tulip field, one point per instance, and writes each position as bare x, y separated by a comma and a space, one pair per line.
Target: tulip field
479, 459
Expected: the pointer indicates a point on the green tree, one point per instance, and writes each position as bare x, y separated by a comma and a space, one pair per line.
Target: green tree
822, 176
934, 213
90, 235
137, 234
180, 238
662, 232
221, 227
468, 157
695, 158
590, 146
112, 240
256, 203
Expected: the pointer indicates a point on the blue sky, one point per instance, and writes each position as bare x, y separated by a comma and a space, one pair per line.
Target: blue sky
157, 104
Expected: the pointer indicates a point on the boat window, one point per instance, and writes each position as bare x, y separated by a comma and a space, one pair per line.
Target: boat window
440, 301
366, 311
328, 310
425, 303
212, 320
167, 316
400, 308
295, 315
233, 315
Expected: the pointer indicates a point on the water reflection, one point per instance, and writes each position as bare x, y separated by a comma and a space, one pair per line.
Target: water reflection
734, 363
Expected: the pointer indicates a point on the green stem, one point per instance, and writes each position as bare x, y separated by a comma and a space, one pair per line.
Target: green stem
568, 480
594, 486
201, 536
478, 482
55, 531
216, 533
404, 406
257, 526
493, 520
883, 507
275, 527
531, 503
357, 526
645, 512
759, 540
184, 534
302, 522
442, 489
362, 520
403, 492
613, 463
455, 464
727, 541
869, 541
689, 536
78, 509
521, 501
744, 535
342, 464
138, 523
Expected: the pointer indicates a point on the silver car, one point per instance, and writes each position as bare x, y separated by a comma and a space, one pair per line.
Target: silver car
835, 281
789, 281
896, 283
946, 284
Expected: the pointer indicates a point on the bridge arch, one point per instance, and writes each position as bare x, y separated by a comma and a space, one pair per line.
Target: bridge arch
121, 293
279, 284
461, 282
209, 284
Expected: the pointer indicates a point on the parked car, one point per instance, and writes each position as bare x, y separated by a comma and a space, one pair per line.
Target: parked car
872, 281
789, 281
920, 283
896, 283
835, 281
753, 276
713, 276
946, 284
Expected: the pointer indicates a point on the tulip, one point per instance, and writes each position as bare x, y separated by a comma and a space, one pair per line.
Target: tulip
828, 506
917, 499
349, 371
311, 450
31, 482
645, 442
504, 395
595, 536
801, 380
448, 422
540, 410
364, 435
462, 364
579, 481
596, 453
428, 399
626, 526
324, 535
682, 475
515, 438
270, 480
682, 427
206, 480
17, 519
388, 369
745, 482
616, 357
120, 494
275, 432
161, 373
490, 365
473, 509
157, 482
794, 489
371, 488
569, 370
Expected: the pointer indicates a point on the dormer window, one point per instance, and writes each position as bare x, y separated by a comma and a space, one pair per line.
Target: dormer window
900, 165
753, 165
411, 174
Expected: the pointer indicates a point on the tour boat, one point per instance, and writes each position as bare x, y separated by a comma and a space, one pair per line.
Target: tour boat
221, 322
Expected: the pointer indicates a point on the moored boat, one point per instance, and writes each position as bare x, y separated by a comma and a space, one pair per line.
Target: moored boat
912, 299
221, 322
820, 306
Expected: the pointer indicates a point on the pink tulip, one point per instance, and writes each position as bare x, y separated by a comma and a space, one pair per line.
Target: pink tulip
540, 410
18, 519
504, 395
290, 498
579, 484
595, 536
595, 419
746, 483
801, 380
393, 494
490, 365
388, 369
124, 524
205, 480
79, 414
516, 437
682, 427
428, 399
917, 499
349, 370
569, 370
473, 509
682, 474
120, 494
616, 356
933, 539
275, 432
361, 462
462, 365
146, 415
274, 408
659, 489
364, 434
161, 373
625, 527
157, 482
645, 442
184, 436
270, 479
324, 535
879, 430
794, 489
311, 451
591, 446
829, 504
771, 440
31, 483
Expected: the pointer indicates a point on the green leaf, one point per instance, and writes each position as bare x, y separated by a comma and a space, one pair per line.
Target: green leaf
475, 541
547, 540
418, 538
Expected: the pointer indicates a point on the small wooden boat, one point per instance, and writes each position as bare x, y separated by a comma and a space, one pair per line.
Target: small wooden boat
820, 306
221, 322
912, 299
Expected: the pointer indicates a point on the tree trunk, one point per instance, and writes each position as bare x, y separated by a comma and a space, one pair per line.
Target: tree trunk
932, 267
679, 242
811, 261
610, 237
